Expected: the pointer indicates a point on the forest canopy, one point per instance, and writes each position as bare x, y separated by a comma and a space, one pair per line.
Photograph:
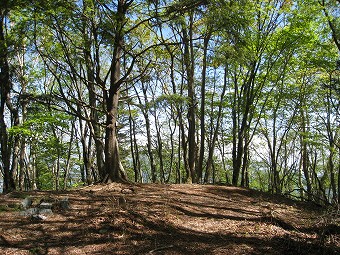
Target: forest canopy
240, 92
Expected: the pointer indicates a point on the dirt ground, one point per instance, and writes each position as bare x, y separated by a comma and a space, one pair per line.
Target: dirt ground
167, 219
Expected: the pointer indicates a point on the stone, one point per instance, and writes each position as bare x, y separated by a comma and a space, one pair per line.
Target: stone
26, 203
30, 212
38, 217
127, 191
44, 208
64, 204
45, 211
45, 205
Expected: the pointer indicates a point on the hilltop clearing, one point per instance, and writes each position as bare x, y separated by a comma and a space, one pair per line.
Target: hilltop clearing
165, 219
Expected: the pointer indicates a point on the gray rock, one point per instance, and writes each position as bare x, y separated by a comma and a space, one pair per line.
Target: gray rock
45, 211
38, 217
127, 191
64, 204
45, 205
29, 212
26, 203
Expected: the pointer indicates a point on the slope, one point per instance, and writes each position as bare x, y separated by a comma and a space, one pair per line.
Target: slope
166, 219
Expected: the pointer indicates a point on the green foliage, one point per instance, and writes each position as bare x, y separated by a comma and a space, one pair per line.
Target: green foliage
172, 99
9, 208
77, 185
39, 125
275, 58
45, 176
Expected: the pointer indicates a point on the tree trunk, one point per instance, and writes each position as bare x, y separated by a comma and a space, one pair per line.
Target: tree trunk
9, 183
178, 120
221, 146
114, 169
245, 161
68, 162
138, 173
14, 140
90, 84
57, 171
172, 129
332, 26
189, 68
202, 117
24, 102
238, 147
235, 121
304, 153
145, 112
216, 129
339, 181
22, 164
134, 147
159, 149
242, 108
34, 170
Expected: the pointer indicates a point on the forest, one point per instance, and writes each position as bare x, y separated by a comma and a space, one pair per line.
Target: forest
242, 93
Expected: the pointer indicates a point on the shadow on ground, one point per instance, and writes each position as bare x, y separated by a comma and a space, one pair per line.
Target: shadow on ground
168, 219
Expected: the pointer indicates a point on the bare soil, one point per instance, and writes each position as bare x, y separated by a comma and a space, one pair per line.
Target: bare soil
168, 219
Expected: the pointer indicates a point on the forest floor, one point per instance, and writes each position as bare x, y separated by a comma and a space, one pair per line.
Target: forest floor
167, 219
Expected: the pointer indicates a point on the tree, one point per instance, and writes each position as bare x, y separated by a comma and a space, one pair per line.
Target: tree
330, 9
251, 76
5, 90
114, 169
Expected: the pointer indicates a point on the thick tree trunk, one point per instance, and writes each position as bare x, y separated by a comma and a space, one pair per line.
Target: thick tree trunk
5, 83
238, 150
114, 171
